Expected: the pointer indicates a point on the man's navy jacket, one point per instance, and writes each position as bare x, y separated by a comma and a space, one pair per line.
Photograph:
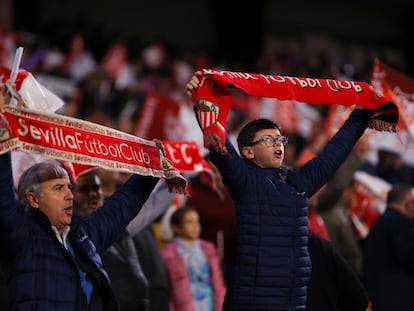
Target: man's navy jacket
41, 274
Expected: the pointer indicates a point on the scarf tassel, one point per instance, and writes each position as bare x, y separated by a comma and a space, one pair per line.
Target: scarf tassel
175, 181
382, 126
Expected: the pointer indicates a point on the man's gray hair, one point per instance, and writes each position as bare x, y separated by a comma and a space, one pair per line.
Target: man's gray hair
31, 178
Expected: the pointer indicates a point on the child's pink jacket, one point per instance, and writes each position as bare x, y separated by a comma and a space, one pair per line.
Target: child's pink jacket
180, 296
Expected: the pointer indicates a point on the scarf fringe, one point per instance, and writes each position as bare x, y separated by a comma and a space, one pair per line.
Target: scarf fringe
175, 181
382, 126
213, 141
214, 138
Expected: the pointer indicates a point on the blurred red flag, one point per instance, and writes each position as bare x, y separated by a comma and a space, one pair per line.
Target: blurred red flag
399, 88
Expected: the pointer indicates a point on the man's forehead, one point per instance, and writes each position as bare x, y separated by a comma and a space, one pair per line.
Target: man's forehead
54, 182
88, 179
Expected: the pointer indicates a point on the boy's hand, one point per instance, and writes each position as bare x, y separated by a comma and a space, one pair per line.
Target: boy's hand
193, 83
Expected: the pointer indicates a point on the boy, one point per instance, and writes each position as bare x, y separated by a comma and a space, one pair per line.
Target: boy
273, 264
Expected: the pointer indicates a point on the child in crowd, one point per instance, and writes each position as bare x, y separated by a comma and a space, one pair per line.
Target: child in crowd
273, 264
193, 266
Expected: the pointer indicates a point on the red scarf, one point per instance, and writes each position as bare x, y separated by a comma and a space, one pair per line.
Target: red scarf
213, 98
78, 141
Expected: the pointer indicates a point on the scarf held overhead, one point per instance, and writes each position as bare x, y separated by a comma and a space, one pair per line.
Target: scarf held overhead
73, 140
213, 98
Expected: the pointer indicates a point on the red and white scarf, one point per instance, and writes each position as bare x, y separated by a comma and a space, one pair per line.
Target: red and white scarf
213, 97
78, 141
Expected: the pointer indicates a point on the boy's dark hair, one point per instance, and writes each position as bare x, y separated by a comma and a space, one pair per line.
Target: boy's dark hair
247, 133
177, 217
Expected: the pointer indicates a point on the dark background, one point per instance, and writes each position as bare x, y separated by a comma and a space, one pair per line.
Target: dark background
229, 29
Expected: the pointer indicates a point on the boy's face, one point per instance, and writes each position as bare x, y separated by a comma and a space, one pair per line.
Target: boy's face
190, 228
265, 156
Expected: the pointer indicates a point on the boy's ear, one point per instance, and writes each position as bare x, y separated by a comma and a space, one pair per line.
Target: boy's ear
248, 152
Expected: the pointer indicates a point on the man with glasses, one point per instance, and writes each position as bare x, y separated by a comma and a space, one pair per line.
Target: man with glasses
273, 264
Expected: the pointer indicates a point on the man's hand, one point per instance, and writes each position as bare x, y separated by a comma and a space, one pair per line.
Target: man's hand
4, 98
8, 92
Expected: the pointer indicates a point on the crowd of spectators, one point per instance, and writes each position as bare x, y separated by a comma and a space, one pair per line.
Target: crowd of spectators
107, 82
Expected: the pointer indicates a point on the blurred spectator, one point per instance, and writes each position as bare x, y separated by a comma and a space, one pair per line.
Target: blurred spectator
217, 216
218, 222
153, 268
100, 101
389, 253
52, 60
333, 284
7, 45
121, 259
390, 167
130, 284
88, 194
334, 202
340, 226
79, 61
193, 266
316, 224
146, 246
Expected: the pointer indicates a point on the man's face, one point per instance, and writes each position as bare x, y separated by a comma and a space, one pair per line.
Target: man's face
55, 201
88, 194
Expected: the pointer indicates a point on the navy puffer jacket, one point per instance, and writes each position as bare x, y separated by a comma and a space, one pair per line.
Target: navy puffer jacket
273, 264
40, 273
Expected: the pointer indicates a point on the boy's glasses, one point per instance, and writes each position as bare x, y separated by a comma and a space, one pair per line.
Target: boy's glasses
271, 141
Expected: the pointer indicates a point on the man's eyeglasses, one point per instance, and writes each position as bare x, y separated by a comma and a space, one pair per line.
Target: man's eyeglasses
271, 141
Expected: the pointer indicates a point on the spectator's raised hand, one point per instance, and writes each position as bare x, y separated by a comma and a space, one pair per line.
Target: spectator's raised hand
4, 98
6, 94
193, 83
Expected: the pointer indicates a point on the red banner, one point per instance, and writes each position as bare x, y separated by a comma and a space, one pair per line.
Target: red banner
158, 115
186, 156
398, 88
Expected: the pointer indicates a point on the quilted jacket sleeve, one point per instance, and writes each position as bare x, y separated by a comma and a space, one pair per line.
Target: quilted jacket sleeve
13, 223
